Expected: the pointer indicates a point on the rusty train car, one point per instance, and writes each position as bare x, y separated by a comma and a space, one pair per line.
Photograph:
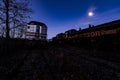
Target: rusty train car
104, 36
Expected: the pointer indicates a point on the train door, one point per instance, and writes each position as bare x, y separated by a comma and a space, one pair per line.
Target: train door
37, 32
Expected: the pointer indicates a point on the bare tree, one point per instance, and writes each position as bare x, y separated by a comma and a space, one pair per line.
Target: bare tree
2, 19
16, 14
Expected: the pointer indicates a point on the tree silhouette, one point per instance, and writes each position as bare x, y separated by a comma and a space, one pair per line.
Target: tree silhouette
14, 15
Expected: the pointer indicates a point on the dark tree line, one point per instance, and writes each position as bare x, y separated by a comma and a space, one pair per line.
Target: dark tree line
14, 15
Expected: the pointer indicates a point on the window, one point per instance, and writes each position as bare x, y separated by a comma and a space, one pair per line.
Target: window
37, 29
28, 27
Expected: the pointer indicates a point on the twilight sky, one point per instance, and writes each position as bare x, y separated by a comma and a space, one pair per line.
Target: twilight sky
62, 15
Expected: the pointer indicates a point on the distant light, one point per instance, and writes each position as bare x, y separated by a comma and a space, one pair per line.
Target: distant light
90, 14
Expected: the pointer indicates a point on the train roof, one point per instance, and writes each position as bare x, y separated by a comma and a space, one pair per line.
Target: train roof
70, 30
104, 25
109, 23
37, 23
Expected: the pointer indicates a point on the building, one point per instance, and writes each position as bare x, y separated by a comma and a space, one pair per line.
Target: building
36, 30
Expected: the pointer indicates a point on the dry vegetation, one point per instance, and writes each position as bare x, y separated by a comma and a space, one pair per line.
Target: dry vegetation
59, 62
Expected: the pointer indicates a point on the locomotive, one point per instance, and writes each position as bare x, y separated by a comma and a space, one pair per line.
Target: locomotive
104, 36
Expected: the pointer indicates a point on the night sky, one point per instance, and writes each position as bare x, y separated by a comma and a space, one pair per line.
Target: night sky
62, 15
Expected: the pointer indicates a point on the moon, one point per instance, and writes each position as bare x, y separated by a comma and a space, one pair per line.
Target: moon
90, 13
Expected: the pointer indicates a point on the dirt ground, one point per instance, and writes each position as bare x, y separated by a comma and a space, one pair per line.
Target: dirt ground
61, 62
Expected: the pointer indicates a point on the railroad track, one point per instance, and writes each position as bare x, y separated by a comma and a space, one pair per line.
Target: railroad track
33, 67
62, 63
93, 68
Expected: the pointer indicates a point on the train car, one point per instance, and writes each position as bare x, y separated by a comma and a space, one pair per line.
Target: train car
36, 34
36, 30
103, 36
